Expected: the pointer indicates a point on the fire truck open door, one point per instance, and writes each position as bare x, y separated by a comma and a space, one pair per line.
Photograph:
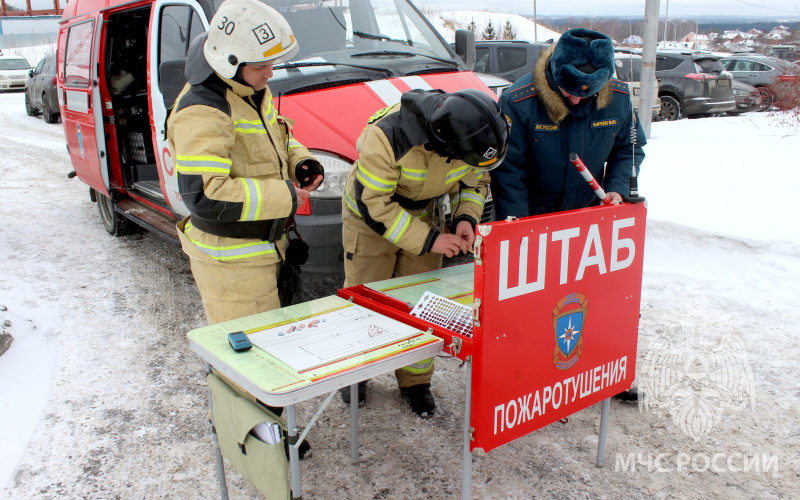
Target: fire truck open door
81, 111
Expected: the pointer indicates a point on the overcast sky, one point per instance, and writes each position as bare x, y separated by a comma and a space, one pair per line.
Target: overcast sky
679, 8
684, 8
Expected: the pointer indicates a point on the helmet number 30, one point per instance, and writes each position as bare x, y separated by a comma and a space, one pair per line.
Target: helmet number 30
226, 25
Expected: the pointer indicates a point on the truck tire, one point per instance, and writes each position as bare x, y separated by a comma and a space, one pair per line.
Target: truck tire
47, 113
670, 109
115, 224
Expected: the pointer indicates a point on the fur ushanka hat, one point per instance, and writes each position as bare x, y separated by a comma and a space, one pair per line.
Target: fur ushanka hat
582, 62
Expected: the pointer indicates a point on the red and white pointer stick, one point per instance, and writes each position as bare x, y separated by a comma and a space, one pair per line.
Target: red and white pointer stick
576, 160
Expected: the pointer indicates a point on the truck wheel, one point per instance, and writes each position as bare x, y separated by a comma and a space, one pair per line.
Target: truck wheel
47, 113
670, 109
29, 107
115, 224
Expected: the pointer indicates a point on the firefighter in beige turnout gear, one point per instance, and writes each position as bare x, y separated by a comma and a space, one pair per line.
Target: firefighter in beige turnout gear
236, 160
411, 154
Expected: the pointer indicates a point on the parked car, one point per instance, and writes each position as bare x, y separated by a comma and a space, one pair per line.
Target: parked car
41, 90
497, 84
629, 69
509, 59
13, 72
785, 52
747, 98
762, 72
692, 84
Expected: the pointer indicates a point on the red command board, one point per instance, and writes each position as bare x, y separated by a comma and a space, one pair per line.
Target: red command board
557, 312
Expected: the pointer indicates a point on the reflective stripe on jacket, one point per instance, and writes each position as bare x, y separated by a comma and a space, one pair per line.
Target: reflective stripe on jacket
234, 163
389, 165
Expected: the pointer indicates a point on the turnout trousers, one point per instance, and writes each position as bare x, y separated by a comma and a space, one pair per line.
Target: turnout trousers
369, 257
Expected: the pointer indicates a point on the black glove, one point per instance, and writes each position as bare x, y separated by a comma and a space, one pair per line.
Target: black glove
306, 171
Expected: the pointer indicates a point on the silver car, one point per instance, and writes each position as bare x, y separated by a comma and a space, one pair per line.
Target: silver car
762, 72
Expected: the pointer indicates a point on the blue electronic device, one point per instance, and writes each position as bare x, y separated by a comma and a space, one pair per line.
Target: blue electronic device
239, 341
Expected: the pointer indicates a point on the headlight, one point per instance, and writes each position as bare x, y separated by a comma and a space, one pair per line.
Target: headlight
336, 172
3, 77
741, 93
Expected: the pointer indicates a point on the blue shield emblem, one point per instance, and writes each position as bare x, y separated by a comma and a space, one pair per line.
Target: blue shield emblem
569, 317
568, 331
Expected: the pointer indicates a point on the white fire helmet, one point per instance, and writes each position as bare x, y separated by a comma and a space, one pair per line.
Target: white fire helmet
247, 31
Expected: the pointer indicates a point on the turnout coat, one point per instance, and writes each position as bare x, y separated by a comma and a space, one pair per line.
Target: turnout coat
394, 185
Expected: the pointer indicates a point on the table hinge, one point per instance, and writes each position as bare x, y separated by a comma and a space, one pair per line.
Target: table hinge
476, 312
455, 346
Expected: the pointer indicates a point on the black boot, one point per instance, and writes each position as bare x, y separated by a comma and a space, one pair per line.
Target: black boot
362, 393
632, 395
421, 399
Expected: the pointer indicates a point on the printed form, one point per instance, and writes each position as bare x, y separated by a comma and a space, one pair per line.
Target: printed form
330, 337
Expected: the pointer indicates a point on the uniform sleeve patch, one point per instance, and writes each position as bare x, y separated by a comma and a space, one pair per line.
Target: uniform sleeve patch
604, 123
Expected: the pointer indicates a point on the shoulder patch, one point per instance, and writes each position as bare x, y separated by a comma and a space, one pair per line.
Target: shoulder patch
380, 113
619, 86
522, 93
205, 96
390, 125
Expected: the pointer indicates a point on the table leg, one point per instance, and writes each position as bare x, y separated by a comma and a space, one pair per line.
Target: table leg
294, 455
601, 444
354, 424
466, 465
223, 486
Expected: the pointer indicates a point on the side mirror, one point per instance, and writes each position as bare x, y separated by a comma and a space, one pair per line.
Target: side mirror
30, 73
465, 47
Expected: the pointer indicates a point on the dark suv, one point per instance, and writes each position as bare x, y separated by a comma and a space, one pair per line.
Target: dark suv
509, 59
41, 94
692, 83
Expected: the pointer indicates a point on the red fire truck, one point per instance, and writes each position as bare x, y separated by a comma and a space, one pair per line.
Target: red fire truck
121, 66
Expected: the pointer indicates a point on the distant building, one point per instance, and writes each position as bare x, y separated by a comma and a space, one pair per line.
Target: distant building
696, 42
754, 34
633, 41
779, 33
672, 45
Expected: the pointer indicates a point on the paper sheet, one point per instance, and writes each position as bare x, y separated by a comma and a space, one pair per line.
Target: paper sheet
455, 283
270, 373
330, 337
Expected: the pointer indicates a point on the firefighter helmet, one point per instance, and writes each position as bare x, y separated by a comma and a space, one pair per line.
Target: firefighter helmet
468, 125
247, 31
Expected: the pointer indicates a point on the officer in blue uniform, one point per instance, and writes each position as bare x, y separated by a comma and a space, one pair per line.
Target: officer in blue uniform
568, 104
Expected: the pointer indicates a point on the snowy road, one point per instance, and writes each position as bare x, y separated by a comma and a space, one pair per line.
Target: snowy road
104, 399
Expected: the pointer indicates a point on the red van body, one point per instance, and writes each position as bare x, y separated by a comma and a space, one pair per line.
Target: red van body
120, 68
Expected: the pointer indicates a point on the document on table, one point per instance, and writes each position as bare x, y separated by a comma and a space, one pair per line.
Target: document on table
330, 337
265, 366
456, 283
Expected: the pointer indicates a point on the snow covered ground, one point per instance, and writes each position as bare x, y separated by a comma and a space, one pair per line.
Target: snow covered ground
100, 396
